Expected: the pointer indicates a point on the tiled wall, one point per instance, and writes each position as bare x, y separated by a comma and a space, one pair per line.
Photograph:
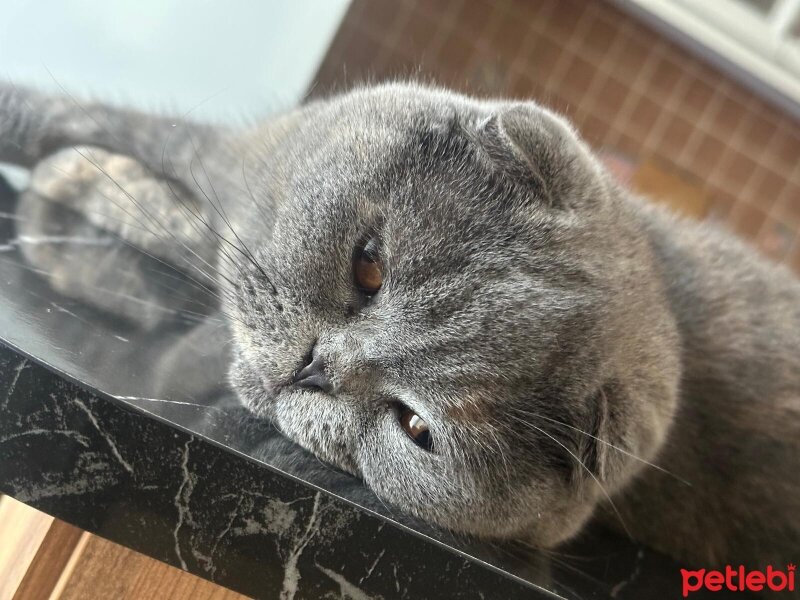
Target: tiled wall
628, 89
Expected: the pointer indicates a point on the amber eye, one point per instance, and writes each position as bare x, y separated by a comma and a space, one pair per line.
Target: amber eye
416, 428
368, 269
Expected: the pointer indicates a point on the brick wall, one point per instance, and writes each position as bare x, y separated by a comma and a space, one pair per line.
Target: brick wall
628, 89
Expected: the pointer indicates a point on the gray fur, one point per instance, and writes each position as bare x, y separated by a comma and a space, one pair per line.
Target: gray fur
556, 332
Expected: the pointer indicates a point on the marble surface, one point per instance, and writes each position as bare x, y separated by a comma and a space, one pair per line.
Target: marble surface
133, 434
104, 467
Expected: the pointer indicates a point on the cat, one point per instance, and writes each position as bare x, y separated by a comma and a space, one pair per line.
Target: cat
451, 299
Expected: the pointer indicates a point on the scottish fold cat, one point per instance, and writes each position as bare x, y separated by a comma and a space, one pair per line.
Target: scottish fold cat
452, 300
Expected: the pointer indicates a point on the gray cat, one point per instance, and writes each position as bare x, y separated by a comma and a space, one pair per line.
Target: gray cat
451, 299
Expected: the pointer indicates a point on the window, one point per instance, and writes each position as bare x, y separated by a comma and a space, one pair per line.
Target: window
756, 39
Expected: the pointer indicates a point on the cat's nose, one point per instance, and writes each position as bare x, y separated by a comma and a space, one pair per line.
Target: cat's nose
313, 374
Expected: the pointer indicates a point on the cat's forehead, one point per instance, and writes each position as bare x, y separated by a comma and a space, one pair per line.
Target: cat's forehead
404, 156
376, 120
404, 103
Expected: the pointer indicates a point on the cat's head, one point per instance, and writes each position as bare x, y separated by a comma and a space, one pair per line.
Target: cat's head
452, 301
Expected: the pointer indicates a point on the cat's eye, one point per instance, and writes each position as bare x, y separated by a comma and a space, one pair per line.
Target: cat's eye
368, 268
416, 428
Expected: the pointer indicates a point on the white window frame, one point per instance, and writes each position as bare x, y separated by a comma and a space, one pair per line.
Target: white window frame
754, 46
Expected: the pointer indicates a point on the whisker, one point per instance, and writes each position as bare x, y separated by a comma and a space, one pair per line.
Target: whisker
150, 217
80, 106
140, 225
133, 299
602, 441
221, 237
181, 278
588, 470
197, 284
223, 215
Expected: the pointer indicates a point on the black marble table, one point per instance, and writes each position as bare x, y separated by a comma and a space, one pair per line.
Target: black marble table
134, 435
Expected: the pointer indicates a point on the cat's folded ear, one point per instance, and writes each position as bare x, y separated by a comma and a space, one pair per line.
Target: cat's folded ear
539, 149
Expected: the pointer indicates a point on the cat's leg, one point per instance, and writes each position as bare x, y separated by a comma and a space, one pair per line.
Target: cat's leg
34, 125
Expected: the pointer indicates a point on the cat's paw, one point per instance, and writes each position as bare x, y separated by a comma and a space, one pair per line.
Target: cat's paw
118, 194
103, 230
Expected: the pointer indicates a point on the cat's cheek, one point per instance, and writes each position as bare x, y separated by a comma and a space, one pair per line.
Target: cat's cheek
403, 474
251, 389
547, 529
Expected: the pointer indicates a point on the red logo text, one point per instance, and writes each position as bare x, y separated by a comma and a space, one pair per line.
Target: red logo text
739, 580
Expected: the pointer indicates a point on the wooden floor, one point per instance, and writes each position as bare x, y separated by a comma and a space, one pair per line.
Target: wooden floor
42, 558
